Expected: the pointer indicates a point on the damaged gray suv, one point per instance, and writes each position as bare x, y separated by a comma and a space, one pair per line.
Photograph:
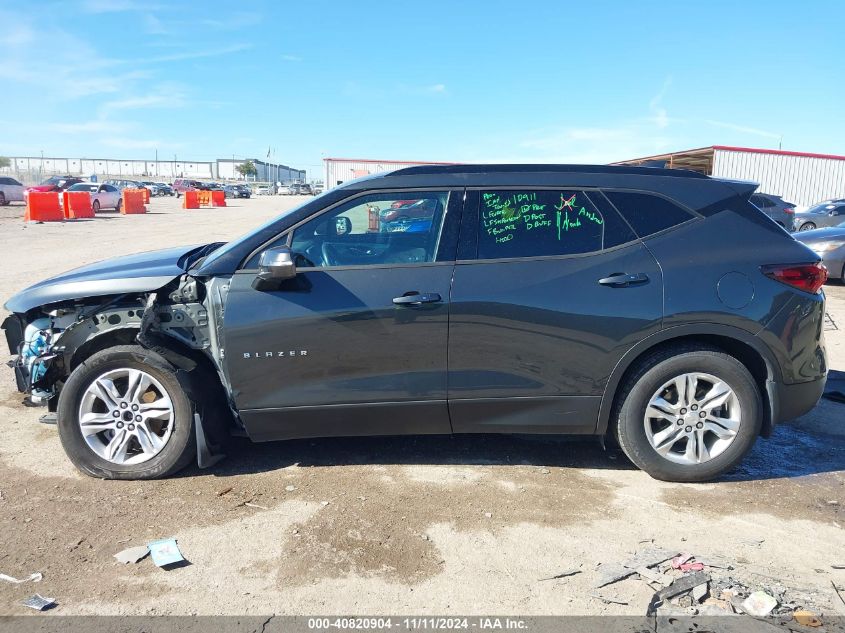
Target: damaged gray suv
655, 308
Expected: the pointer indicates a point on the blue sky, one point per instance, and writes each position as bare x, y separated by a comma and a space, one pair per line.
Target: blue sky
485, 81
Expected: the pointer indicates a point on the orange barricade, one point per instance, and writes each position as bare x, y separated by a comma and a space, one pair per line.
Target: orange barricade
146, 195
43, 206
190, 200
133, 202
218, 198
204, 198
77, 205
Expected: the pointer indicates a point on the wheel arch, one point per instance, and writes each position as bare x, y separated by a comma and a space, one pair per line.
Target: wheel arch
742, 345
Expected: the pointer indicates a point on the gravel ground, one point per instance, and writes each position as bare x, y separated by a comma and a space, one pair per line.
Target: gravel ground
407, 525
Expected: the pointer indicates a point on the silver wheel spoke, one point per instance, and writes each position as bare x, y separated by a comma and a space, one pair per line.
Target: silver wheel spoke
721, 432
727, 423
655, 412
717, 396
702, 453
117, 447
93, 423
139, 384
158, 409
150, 442
666, 439
107, 392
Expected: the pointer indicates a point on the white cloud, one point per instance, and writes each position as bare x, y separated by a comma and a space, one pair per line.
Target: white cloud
659, 113
215, 52
291, 58
437, 88
743, 129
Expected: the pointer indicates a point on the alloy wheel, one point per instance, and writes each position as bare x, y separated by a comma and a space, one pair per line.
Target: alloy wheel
692, 418
126, 416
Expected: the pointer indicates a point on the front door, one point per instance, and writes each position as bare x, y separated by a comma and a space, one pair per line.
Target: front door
558, 290
356, 343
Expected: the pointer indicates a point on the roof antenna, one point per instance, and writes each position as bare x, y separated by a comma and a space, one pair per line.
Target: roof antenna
780, 142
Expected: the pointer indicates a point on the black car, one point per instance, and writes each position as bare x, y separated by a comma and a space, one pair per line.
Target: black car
657, 308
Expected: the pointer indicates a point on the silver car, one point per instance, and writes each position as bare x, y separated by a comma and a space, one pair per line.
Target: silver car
829, 244
827, 213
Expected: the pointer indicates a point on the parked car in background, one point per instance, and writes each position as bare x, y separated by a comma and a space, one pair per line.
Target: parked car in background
828, 213
126, 184
776, 208
829, 244
165, 189
286, 190
56, 183
103, 195
236, 191
556, 299
318, 189
181, 185
153, 187
304, 189
10, 190
263, 190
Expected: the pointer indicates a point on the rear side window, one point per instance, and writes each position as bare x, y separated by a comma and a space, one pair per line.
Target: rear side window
646, 213
520, 223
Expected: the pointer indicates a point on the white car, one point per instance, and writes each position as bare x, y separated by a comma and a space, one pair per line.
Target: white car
103, 196
10, 190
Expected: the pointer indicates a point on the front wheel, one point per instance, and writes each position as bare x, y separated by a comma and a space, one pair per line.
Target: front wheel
95, 206
119, 205
807, 226
688, 415
124, 415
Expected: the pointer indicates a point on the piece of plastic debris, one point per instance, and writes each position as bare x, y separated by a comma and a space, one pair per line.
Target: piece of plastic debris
290, 488
563, 574
806, 618
39, 603
132, 554
691, 566
324, 503
647, 558
489, 515
759, 604
680, 560
165, 552
255, 505
36, 577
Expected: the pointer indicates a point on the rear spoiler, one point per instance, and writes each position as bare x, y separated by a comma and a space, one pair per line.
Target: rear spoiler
743, 188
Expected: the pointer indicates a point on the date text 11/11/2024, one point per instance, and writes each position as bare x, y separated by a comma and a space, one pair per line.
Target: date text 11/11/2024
503, 218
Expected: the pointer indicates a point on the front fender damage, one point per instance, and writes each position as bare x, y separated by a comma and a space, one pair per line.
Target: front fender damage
180, 322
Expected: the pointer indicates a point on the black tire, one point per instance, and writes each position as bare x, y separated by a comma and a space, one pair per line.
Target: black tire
180, 447
119, 205
3, 201
807, 226
95, 206
653, 372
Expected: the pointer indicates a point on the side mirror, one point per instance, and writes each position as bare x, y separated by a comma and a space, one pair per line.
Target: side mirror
275, 266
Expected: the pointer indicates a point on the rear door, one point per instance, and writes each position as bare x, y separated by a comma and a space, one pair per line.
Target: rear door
549, 294
356, 343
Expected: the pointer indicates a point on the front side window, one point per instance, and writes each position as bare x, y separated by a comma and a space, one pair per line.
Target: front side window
381, 228
541, 223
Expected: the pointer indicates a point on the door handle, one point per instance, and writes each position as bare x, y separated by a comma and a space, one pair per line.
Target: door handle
416, 298
621, 280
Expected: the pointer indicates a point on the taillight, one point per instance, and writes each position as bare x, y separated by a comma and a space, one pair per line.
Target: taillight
789, 210
806, 277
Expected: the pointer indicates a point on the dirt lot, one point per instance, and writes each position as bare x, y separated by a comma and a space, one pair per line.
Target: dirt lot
413, 525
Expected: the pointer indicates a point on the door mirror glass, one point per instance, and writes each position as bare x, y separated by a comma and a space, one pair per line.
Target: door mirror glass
275, 266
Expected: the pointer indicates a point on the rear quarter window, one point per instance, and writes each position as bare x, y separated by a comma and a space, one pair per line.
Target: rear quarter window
646, 213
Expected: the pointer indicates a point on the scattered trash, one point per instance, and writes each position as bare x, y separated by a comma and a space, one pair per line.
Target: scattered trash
489, 515
165, 552
132, 554
545, 471
647, 558
36, 577
680, 560
564, 574
714, 560
225, 491
759, 604
699, 592
608, 599
652, 575
807, 618
255, 505
39, 603
681, 585
290, 488
324, 503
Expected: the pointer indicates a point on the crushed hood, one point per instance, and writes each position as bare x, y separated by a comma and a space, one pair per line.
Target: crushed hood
132, 273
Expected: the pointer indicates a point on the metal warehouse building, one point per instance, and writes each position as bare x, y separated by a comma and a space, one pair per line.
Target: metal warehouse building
797, 177
337, 171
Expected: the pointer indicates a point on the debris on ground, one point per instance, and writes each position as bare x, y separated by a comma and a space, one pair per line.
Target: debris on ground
807, 618
225, 491
608, 599
165, 552
290, 488
36, 577
647, 558
564, 574
39, 603
132, 554
836, 591
249, 504
759, 604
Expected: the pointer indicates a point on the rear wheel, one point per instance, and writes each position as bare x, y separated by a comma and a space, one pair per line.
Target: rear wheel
3, 201
119, 205
124, 415
688, 414
96, 206
807, 226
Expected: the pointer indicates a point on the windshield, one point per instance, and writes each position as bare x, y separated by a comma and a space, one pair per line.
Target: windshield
54, 180
81, 186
